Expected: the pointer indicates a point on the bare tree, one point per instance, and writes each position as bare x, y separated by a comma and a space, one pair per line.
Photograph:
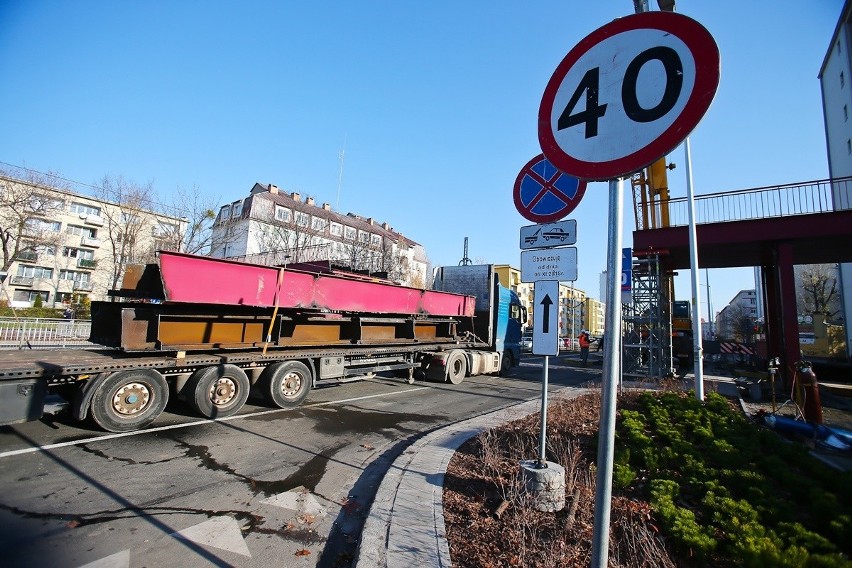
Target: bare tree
125, 222
26, 215
818, 291
197, 213
740, 323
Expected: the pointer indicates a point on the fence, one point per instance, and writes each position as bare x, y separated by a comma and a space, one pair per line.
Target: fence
820, 196
43, 333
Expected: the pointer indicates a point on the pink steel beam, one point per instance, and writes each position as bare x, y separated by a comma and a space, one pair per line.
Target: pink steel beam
204, 280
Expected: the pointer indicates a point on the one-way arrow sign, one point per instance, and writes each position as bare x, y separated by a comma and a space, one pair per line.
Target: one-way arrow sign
545, 303
546, 318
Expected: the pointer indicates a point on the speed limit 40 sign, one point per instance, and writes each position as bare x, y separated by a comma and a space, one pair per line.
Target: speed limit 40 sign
627, 94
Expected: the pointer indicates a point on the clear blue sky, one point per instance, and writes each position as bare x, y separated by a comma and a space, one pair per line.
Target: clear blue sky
434, 105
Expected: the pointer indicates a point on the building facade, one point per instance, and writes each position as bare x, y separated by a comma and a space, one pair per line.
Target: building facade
59, 246
834, 77
275, 228
510, 278
736, 321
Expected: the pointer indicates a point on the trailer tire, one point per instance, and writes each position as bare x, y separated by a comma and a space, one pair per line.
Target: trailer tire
129, 400
456, 367
286, 383
218, 391
506, 363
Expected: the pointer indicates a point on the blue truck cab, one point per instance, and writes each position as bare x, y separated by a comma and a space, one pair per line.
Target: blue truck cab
499, 314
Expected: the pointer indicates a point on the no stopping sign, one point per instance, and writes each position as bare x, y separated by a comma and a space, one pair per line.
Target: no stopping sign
627, 94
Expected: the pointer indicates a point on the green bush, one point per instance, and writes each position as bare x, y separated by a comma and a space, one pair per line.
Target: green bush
726, 490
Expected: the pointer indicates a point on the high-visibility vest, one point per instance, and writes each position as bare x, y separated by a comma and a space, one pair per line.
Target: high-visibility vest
584, 340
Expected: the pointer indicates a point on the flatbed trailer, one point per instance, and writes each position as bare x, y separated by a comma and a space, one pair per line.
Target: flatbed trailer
278, 332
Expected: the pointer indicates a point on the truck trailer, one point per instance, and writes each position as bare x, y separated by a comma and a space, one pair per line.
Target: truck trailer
211, 331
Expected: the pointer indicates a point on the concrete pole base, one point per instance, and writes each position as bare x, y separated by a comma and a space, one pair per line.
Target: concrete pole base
546, 485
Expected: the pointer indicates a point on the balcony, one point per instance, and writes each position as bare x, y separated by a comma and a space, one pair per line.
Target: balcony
93, 220
21, 281
83, 286
27, 256
87, 263
89, 242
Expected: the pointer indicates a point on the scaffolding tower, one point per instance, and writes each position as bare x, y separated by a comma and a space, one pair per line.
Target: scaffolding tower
647, 345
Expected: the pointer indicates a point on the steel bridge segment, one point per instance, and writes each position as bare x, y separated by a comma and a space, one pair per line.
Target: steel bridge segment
773, 228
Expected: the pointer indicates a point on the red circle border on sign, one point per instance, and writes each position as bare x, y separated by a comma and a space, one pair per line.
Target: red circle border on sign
527, 213
707, 72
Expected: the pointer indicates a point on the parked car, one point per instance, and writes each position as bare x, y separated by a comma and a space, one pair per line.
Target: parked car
526, 342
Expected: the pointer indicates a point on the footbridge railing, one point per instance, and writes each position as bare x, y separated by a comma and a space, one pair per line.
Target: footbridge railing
820, 196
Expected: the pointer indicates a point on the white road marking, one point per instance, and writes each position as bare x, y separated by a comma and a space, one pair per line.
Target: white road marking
117, 560
300, 501
21, 451
218, 532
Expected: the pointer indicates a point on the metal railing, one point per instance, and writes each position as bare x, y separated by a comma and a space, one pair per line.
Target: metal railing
821, 196
43, 333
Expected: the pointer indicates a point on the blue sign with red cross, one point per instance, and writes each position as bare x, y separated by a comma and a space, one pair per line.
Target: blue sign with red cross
544, 194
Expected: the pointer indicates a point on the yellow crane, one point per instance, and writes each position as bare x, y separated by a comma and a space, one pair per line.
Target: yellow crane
651, 211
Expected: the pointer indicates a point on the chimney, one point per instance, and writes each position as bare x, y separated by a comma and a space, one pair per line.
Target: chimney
296, 196
386, 226
273, 189
310, 201
371, 221
326, 206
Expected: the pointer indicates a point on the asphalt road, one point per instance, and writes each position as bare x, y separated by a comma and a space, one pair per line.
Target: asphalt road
268, 487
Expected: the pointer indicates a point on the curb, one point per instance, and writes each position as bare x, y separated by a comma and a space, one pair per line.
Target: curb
405, 524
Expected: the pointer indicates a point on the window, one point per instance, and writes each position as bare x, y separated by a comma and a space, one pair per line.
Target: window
128, 218
376, 240
349, 233
237, 209
282, 214
317, 223
363, 237
83, 209
336, 229
84, 254
74, 276
302, 219
225, 213
163, 229
81, 231
39, 225
35, 271
30, 296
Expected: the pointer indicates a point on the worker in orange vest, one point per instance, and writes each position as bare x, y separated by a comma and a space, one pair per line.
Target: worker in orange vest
583, 340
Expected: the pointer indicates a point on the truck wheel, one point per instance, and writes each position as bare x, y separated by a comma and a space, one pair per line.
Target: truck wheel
286, 383
129, 400
218, 391
506, 363
456, 367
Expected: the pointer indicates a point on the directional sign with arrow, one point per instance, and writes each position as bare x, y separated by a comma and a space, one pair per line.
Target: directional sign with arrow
546, 318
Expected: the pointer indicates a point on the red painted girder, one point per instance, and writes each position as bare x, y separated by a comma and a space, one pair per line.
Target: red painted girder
204, 280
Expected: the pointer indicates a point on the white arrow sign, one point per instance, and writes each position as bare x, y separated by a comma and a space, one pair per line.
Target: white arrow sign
546, 318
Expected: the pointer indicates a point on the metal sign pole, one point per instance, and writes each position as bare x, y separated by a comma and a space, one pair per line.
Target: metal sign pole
542, 455
609, 380
698, 349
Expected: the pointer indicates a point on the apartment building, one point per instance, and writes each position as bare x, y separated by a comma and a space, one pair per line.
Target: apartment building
273, 227
736, 320
58, 244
